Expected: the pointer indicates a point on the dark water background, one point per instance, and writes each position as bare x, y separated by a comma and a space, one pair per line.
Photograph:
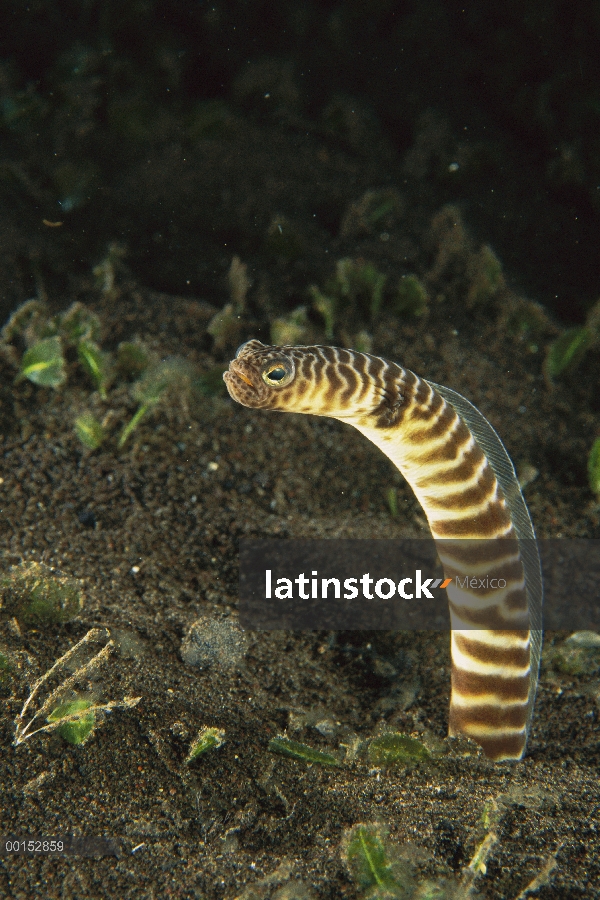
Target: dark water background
89, 89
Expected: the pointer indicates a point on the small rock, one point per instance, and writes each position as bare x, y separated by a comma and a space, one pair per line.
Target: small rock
211, 642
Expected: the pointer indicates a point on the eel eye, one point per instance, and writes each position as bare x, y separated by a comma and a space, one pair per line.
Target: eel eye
278, 375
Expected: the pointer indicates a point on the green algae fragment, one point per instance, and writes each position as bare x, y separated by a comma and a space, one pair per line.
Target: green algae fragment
225, 327
133, 423
289, 330
326, 307
211, 384
353, 297
77, 323
206, 739
77, 729
27, 320
361, 284
579, 654
369, 864
363, 342
367, 857
379, 210
302, 752
239, 284
132, 359
485, 272
45, 337
375, 216
96, 363
593, 467
105, 273
89, 431
411, 297
74, 666
395, 749
567, 351
170, 374
392, 501
44, 364
36, 594
56, 600
173, 372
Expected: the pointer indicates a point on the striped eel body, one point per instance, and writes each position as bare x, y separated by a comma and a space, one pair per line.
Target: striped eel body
463, 478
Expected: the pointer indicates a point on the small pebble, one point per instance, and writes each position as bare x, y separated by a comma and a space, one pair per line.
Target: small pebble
214, 642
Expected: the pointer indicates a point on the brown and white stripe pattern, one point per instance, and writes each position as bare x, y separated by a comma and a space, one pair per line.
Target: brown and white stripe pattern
465, 482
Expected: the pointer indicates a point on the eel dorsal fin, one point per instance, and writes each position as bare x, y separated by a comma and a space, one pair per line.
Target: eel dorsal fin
503, 469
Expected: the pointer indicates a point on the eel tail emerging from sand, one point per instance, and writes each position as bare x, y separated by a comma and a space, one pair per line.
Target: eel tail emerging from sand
463, 478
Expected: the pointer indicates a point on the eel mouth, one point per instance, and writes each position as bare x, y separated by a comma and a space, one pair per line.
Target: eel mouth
244, 378
239, 385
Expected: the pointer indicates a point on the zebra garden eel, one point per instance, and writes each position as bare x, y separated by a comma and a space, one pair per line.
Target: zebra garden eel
463, 478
